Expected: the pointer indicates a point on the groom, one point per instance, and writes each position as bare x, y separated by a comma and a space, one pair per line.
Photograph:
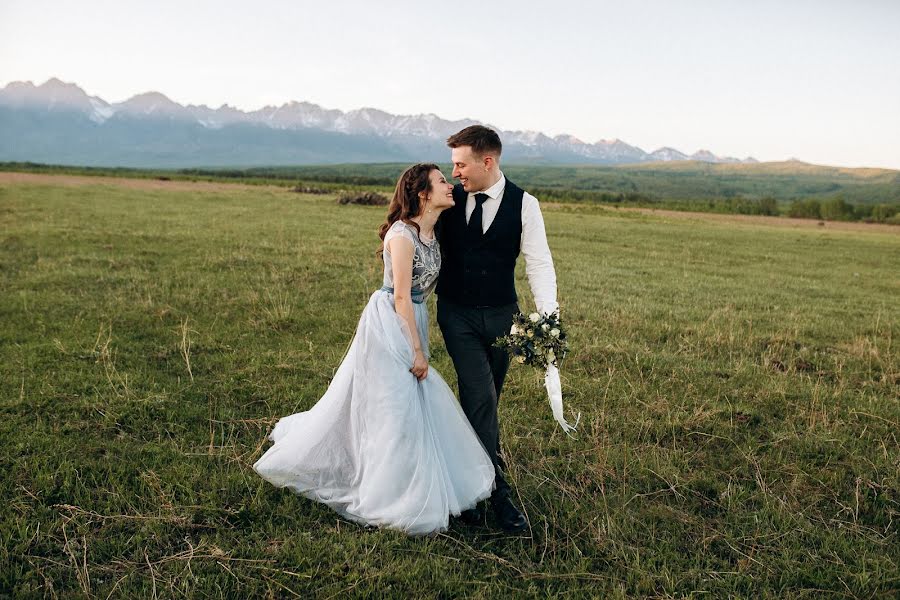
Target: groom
481, 237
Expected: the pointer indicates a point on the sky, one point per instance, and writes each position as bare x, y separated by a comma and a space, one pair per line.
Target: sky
817, 80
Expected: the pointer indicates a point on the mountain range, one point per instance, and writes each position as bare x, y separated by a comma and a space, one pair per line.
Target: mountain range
59, 123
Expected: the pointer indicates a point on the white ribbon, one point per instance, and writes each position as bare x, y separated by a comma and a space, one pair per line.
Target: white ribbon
554, 391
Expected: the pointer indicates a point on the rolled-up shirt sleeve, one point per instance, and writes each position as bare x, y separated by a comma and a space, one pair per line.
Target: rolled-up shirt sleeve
538, 261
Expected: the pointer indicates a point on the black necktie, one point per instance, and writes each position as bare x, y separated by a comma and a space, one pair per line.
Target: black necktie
475, 219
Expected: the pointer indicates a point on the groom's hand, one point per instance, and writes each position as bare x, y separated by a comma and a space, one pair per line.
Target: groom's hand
549, 309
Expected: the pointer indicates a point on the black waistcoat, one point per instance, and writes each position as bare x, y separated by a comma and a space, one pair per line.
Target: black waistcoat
481, 273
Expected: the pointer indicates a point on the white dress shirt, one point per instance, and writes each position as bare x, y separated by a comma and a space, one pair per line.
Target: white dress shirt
538, 262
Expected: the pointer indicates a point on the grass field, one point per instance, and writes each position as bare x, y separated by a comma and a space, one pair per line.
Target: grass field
737, 384
683, 185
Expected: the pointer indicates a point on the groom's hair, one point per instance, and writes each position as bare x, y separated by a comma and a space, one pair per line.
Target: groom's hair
482, 139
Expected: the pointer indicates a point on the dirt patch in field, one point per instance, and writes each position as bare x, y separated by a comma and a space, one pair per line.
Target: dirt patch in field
128, 182
750, 219
772, 221
7, 177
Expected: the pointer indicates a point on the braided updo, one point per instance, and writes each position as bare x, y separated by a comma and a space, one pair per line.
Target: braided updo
406, 203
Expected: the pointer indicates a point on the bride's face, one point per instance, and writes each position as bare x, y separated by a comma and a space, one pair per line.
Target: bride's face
440, 194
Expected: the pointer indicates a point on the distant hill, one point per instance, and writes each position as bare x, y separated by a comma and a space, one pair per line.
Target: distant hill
687, 181
858, 194
59, 123
694, 180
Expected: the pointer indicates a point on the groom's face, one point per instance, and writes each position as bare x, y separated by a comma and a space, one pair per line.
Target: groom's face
469, 168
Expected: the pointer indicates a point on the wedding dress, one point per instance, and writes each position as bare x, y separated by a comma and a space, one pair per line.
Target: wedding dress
380, 447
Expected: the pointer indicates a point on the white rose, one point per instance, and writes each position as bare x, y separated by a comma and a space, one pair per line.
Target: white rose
554, 332
535, 317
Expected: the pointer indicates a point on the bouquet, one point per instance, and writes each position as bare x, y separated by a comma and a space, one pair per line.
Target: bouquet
536, 339
540, 340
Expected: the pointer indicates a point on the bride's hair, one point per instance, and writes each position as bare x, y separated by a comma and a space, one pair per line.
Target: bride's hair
406, 203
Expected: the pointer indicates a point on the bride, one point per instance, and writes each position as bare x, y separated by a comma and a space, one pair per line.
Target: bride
388, 444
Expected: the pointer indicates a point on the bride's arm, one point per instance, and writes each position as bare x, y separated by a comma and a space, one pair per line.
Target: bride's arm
402, 252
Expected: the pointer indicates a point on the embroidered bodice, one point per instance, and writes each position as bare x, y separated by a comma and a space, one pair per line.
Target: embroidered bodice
426, 259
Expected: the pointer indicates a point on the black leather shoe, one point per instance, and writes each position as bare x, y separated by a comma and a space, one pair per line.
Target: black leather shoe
508, 516
473, 516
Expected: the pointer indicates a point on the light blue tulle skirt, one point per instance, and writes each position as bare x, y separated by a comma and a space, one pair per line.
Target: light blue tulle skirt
380, 447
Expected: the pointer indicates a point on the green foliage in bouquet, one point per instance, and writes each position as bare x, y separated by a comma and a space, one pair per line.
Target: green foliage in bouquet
536, 339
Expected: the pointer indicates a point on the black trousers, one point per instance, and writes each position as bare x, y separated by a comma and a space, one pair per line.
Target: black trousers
469, 333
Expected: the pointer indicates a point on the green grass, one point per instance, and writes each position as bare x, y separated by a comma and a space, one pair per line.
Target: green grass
737, 384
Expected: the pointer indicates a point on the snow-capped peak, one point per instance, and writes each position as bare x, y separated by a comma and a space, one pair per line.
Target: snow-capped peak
416, 130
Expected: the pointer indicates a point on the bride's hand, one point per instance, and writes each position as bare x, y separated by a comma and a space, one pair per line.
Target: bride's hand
420, 366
